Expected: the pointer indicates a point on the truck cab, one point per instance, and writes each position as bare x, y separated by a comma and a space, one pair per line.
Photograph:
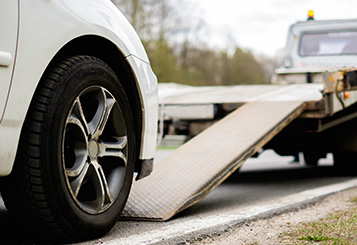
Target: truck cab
313, 47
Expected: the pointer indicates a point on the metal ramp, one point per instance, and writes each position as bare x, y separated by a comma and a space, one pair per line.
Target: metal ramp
188, 174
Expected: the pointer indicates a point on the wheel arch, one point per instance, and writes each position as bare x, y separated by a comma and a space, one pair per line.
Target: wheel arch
110, 54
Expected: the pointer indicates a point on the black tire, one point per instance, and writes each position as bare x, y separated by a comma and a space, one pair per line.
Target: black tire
345, 162
311, 158
75, 161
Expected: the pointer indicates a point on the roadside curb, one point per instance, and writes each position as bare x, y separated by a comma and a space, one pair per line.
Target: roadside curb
197, 229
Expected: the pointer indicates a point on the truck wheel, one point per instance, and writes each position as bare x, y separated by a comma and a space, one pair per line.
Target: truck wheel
311, 158
75, 162
345, 162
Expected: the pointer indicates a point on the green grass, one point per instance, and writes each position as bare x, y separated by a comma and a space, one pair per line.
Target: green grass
167, 147
315, 238
337, 228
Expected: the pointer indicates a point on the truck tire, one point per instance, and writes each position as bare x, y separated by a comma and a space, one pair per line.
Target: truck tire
74, 166
311, 158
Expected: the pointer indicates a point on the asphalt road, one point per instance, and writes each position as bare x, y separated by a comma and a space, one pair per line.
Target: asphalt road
259, 181
266, 179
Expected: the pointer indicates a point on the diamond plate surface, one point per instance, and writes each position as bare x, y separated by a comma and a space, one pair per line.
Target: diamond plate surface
197, 167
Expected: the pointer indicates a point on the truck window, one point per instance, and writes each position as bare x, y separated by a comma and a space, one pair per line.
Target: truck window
329, 43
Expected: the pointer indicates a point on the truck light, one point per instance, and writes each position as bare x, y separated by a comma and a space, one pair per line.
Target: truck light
287, 62
310, 15
347, 95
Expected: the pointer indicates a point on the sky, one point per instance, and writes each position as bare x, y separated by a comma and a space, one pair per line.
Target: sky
262, 25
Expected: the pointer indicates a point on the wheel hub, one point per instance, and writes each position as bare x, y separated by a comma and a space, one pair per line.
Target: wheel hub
93, 149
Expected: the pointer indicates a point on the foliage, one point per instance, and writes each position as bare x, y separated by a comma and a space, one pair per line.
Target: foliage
170, 32
245, 69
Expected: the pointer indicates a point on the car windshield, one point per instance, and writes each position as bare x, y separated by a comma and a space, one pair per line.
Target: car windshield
329, 43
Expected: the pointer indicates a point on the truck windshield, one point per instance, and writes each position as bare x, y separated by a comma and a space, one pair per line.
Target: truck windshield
329, 43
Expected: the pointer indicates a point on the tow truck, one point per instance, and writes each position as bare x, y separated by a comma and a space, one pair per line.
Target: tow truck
310, 107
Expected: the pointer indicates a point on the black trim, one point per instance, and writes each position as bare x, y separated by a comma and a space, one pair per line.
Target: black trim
146, 166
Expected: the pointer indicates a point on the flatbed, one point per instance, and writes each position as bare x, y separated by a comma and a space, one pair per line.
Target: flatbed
243, 119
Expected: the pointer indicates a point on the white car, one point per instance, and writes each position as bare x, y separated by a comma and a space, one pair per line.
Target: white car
78, 114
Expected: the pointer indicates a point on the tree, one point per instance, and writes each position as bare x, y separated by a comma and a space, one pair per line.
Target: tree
159, 19
170, 35
164, 61
245, 69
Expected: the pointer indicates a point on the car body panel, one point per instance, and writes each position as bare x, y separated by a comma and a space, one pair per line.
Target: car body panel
143, 71
8, 29
60, 22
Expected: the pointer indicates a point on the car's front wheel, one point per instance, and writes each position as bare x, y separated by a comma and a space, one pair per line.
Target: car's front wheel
75, 160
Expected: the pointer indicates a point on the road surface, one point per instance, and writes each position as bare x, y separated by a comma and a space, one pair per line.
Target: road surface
265, 182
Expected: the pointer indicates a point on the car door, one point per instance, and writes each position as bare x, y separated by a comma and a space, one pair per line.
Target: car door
9, 13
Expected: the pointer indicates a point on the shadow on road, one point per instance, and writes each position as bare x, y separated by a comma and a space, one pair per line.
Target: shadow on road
287, 174
246, 188
11, 233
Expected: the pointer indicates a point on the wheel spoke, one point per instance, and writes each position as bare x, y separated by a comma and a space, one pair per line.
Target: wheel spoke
101, 187
75, 120
79, 110
114, 149
100, 119
77, 182
74, 150
110, 102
